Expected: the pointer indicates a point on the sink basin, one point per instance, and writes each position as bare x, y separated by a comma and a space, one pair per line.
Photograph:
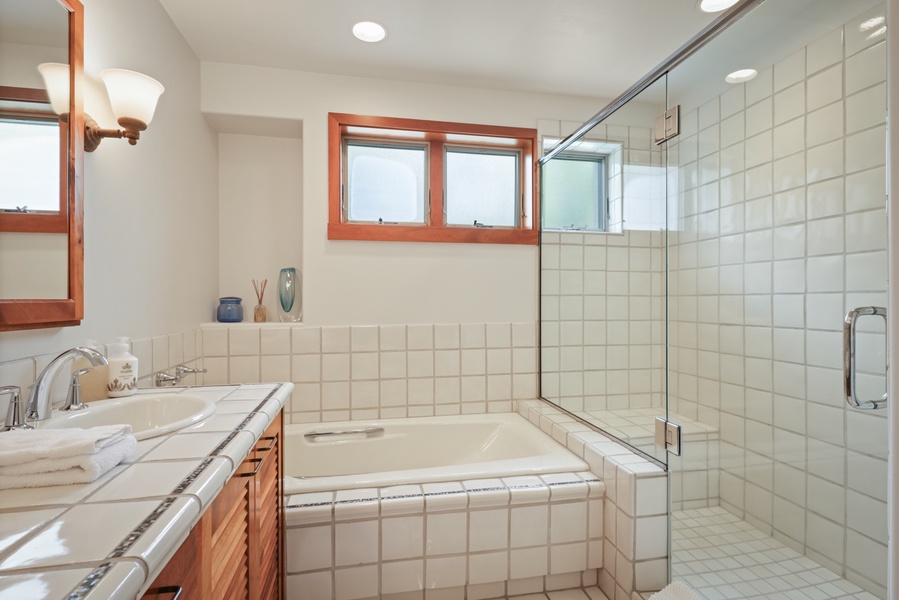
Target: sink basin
149, 415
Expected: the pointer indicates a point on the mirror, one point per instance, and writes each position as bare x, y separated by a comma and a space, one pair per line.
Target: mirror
603, 287
41, 252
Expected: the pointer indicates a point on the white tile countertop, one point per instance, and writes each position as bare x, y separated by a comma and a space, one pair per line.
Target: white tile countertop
110, 538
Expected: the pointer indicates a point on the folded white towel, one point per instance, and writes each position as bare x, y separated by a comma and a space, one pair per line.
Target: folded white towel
82, 468
24, 446
676, 590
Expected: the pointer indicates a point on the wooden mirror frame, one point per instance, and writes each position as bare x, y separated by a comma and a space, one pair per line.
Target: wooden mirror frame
38, 313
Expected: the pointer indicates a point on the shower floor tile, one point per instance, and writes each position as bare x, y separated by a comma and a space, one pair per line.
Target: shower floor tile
722, 557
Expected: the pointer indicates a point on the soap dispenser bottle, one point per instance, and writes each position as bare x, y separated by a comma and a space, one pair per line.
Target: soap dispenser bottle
122, 369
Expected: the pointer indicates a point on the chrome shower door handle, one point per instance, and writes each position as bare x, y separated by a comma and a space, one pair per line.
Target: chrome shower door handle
849, 325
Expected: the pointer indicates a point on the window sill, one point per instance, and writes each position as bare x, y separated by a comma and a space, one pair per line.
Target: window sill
405, 233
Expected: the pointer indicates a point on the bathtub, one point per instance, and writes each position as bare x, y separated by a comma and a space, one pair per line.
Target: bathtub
370, 454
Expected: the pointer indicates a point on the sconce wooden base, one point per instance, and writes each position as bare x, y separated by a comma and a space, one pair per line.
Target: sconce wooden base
132, 128
94, 134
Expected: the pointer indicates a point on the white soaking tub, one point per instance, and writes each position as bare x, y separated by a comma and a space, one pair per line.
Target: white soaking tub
365, 454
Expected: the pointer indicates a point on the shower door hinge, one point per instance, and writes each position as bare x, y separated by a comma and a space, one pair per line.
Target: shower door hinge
668, 435
667, 125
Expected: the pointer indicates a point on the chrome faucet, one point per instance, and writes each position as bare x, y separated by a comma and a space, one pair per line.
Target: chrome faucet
164, 379
39, 405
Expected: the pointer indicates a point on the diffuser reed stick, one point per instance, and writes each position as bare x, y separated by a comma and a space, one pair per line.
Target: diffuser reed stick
259, 310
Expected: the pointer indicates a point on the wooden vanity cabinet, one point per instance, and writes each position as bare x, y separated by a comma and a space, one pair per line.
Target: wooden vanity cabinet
236, 550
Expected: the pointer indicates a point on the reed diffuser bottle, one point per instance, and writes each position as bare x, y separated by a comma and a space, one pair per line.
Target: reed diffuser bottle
259, 313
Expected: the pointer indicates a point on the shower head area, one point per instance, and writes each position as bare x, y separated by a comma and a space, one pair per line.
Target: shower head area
703, 239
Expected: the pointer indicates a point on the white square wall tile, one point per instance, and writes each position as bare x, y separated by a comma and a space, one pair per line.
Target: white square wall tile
392, 337
244, 341
215, 341
403, 576
473, 335
568, 558
446, 533
356, 543
402, 537
356, 583
306, 340
335, 367
446, 336
420, 337
487, 567
528, 562
309, 548
364, 338
568, 522
488, 529
825, 51
529, 526
445, 572
499, 335
315, 585
651, 537
335, 339
275, 340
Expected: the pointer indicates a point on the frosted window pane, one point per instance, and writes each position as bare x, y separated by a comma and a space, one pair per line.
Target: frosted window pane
385, 183
29, 165
481, 187
573, 195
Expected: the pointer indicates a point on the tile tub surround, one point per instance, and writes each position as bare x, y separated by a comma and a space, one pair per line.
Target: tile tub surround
458, 537
635, 528
343, 373
51, 545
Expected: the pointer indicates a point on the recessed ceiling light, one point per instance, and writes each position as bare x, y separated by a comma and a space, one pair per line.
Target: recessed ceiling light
369, 31
741, 76
712, 6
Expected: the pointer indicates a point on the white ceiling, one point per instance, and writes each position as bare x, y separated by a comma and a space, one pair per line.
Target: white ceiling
594, 48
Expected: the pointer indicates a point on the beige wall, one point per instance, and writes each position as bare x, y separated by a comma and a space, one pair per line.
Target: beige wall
150, 210
352, 283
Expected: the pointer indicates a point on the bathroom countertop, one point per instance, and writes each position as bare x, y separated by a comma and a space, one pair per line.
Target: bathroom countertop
110, 538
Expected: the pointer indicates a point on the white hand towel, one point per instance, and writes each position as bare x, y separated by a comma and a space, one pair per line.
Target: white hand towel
676, 590
24, 446
82, 468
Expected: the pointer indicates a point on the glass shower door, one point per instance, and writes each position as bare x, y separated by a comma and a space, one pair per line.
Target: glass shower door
778, 230
603, 280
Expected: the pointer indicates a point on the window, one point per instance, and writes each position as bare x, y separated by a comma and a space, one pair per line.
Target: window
33, 163
429, 181
574, 193
582, 187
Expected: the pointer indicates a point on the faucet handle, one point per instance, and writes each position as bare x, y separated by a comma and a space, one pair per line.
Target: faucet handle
15, 415
73, 398
182, 370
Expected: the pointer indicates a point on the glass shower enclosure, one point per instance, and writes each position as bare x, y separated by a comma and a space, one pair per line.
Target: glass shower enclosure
703, 243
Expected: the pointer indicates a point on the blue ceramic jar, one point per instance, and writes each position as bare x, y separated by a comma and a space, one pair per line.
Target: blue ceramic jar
230, 310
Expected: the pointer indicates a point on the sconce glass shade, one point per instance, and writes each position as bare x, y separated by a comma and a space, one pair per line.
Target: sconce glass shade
132, 94
56, 80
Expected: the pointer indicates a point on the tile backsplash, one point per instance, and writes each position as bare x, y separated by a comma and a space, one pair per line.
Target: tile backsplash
379, 371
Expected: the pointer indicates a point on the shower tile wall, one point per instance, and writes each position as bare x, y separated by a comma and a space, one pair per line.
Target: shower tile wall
377, 372
602, 319
781, 229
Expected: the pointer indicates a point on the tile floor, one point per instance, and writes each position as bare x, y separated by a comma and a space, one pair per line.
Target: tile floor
722, 557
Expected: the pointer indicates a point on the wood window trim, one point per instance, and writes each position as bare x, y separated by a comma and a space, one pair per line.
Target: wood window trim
57, 222
436, 133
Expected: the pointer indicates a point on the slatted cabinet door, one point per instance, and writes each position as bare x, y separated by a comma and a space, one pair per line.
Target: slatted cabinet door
266, 536
183, 576
230, 523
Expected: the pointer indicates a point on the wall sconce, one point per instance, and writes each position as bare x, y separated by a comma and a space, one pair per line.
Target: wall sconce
132, 95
